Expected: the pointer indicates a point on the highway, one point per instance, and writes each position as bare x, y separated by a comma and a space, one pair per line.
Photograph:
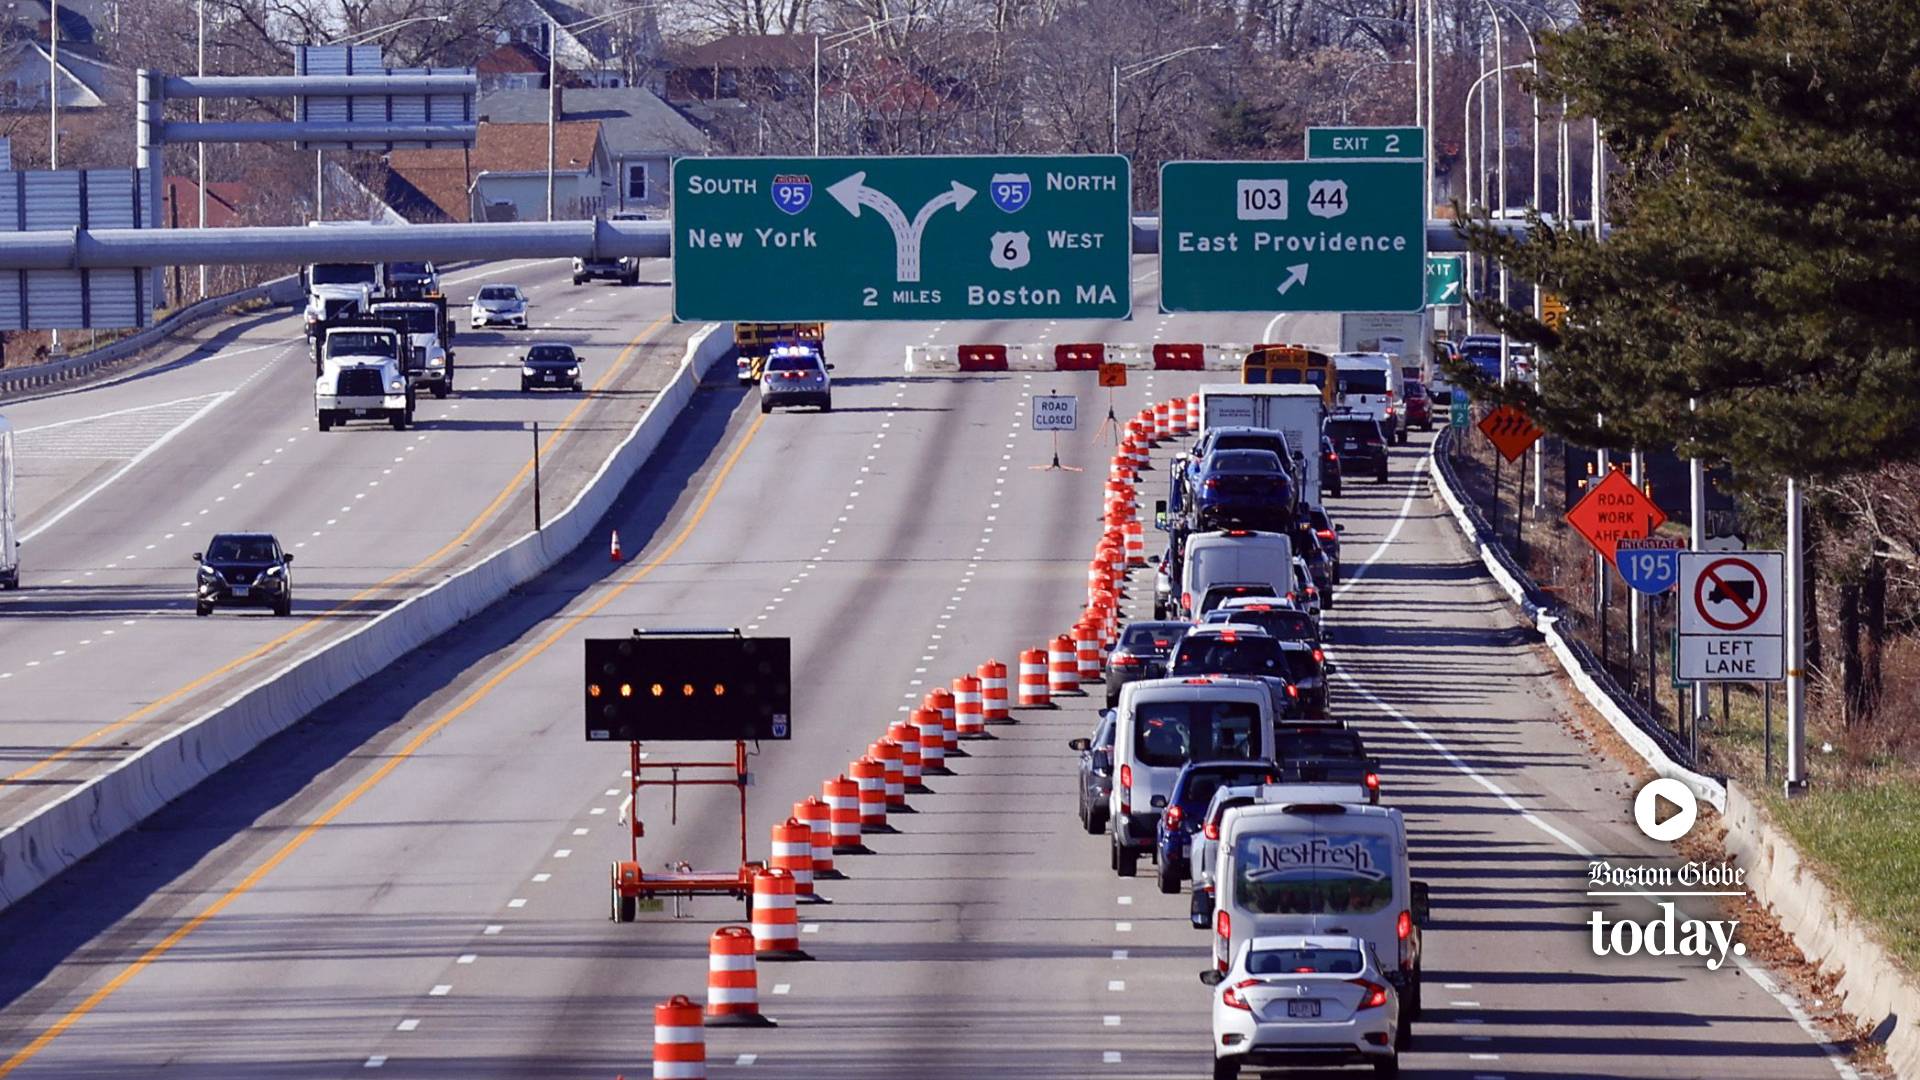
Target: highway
121, 484
414, 880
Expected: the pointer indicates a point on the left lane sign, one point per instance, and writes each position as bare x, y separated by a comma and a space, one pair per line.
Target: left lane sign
903, 238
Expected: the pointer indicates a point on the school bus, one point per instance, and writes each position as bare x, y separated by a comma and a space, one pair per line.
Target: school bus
1290, 364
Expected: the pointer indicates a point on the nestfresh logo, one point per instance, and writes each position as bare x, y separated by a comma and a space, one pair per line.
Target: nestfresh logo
1350, 858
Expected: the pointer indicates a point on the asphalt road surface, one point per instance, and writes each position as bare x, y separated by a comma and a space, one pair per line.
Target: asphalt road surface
414, 879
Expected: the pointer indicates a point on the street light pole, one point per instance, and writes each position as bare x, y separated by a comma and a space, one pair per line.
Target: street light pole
816, 95
200, 178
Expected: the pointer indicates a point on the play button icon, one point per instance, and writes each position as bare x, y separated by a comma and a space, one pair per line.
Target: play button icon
1665, 809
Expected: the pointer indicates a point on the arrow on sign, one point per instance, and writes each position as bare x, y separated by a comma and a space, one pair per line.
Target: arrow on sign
1447, 292
1296, 275
853, 193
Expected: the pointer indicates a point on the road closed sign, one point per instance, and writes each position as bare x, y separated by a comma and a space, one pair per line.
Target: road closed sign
1730, 616
1055, 412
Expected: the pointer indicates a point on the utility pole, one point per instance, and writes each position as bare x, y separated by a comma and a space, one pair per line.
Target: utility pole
1796, 643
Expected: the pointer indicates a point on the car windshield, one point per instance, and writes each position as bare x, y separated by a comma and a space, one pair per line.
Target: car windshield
1363, 381
1244, 461
1301, 664
1304, 962
1156, 638
1168, 734
551, 354
1356, 428
795, 362
1300, 744
1214, 654
499, 292
341, 274
1278, 622
1416, 390
244, 549
1248, 440
359, 343
1202, 783
1313, 872
1220, 594
410, 269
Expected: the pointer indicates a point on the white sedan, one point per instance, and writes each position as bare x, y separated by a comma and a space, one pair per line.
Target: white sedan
499, 305
1303, 1000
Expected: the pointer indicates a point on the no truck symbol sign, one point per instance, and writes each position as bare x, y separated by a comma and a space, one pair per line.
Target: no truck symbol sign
1730, 616
1730, 594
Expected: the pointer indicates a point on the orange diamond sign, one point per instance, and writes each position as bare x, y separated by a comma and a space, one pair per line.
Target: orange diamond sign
1615, 510
1511, 430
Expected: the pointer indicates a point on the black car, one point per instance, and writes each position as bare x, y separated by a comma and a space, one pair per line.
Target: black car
1305, 746
1231, 590
1096, 774
1282, 620
1327, 532
243, 570
1192, 791
1310, 671
1230, 438
1361, 444
1247, 652
1141, 653
1319, 567
1329, 468
1300, 769
1243, 489
550, 365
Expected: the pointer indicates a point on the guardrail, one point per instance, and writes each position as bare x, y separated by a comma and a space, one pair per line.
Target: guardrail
42, 376
56, 836
1633, 723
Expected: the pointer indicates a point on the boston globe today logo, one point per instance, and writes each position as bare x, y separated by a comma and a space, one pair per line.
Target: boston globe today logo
1665, 810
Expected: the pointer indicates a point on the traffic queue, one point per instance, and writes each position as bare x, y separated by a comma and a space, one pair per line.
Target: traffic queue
1223, 760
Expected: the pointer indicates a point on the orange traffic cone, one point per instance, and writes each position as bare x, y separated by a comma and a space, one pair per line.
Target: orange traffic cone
615, 552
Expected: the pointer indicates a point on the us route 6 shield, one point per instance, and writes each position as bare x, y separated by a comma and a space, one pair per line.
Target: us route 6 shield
1011, 250
792, 193
1011, 191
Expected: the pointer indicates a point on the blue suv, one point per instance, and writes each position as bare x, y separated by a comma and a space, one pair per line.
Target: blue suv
1173, 838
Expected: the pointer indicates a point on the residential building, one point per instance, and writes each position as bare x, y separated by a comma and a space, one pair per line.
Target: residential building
642, 134
504, 176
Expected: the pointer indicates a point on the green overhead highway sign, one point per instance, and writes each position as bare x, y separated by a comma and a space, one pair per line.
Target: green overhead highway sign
1443, 280
1390, 143
1292, 236
815, 239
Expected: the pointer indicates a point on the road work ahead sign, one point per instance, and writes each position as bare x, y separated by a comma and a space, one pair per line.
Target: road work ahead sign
908, 238
1730, 624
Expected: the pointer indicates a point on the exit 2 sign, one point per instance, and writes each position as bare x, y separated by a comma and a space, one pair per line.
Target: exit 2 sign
1359, 143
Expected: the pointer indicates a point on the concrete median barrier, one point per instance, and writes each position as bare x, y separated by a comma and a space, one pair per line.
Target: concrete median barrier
36, 849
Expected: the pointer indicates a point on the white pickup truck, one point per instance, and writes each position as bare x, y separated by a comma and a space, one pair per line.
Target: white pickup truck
361, 377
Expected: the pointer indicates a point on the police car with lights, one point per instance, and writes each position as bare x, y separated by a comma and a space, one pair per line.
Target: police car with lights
796, 375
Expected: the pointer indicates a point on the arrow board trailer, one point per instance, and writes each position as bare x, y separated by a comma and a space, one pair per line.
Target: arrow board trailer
1295, 410
902, 238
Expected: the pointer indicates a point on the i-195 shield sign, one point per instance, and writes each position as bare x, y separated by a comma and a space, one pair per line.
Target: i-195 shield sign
1054, 412
1652, 565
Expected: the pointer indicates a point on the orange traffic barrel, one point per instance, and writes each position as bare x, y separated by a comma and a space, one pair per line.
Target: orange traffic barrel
776, 918
968, 709
842, 794
819, 818
679, 1041
793, 852
733, 980
912, 763
1136, 544
1063, 667
888, 753
1177, 415
993, 692
1162, 421
871, 774
1086, 646
933, 741
1033, 680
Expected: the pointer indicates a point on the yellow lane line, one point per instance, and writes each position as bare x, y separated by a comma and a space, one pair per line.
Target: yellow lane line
632, 577
321, 619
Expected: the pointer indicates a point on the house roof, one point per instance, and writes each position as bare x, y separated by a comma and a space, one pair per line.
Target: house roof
512, 58
224, 199
632, 119
430, 185
786, 51
105, 81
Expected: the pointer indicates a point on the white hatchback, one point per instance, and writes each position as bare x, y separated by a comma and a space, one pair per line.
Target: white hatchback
1303, 1000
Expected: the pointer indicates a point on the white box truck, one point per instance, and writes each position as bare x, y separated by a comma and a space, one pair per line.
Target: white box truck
9, 530
1295, 410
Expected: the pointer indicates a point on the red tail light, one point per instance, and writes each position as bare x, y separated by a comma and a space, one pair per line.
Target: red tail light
1373, 784
1124, 659
1333, 457
1373, 442
1293, 691
1231, 995
1223, 923
1324, 534
1403, 926
1211, 484
1313, 590
1126, 781
1372, 995
1174, 817
1290, 596
1212, 830
1186, 601
1229, 636
1319, 657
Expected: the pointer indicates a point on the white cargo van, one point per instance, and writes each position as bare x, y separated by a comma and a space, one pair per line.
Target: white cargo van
1233, 557
1320, 868
9, 534
1159, 726
1370, 383
1293, 409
